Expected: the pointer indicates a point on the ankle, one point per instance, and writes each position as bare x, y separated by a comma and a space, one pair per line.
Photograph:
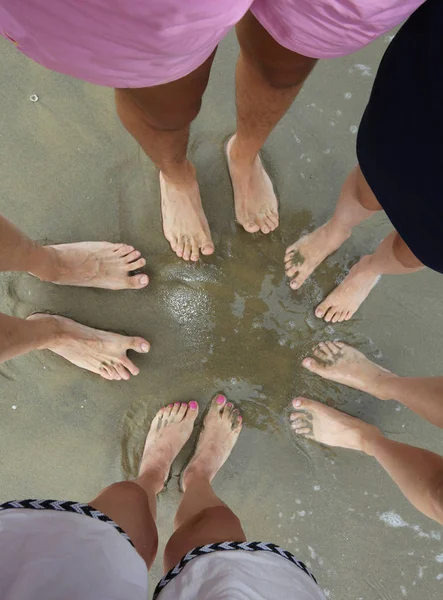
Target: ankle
338, 231
46, 264
369, 437
180, 174
240, 153
385, 385
196, 474
49, 330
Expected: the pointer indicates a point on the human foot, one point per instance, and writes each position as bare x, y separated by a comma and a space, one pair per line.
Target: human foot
346, 365
170, 430
95, 350
256, 206
343, 302
332, 427
92, 264
184, 222
220, 432
303, 257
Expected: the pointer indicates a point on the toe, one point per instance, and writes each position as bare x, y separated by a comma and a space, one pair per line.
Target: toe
298, 281
182, 411
195, 255
329, 315
325, 349
333, 347
132, 256
168, 410
139, 344
291, 269
187, 251
103, 372
179, 249
138, 264
192, 411
339, 345
251, 227
321, 310
136, 282
129, 365
122, 371
270, 223
313, 365
227, 412
218, 403
124, 249
207, 248
302, 430
274, 219
175, 409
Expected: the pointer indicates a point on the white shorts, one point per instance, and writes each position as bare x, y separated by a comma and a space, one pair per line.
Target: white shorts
215, 572
71, 551
55, 554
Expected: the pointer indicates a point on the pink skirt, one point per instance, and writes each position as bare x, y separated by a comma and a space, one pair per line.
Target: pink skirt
142, 43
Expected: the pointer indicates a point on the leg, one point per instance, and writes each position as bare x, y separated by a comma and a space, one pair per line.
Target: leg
268, 79
159, 118
417, 472
202, 518
97, 351
356, 203
90, 264
392, 257
132, 504
343, 364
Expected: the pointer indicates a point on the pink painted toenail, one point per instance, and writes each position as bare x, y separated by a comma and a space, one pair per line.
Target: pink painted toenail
176, 403
184, 404
220, 399
193, 405
170, 406
229, 405
240, 418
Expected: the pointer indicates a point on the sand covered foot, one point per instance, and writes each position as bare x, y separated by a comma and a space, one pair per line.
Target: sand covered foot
256, 205
344, 364
220, 432
303, 257
343, 302
93, 264
95, 350
332, 427
184, 222
170, 430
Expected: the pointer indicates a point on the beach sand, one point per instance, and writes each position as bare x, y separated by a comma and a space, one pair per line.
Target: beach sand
229, 323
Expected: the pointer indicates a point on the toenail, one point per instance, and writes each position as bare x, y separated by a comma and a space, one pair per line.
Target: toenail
297, 402
144, 348
176, 403
170, 405
294, 285
220, 399
240, 418
193, 405
184, 404
143, 280
319, 314
307, 362
229, 405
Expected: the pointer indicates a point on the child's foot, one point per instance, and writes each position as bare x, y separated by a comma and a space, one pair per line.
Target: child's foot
98, 351
170, 430
332, 427
343, 302
93, 264
256, 206
220, 432
303, 257
348, 366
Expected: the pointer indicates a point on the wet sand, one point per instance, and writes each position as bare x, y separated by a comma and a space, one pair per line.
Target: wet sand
229, 323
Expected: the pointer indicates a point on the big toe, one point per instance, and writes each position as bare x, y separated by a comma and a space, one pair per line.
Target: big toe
312, 365
207, 248
137, 282
139, 344
251, 227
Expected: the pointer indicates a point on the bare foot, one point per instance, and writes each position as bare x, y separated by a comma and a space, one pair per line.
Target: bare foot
170, 430
303, 257
332, 427
95, 350
346, 365
93, 264
184, 223
220, 432
343, 302
256, 206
